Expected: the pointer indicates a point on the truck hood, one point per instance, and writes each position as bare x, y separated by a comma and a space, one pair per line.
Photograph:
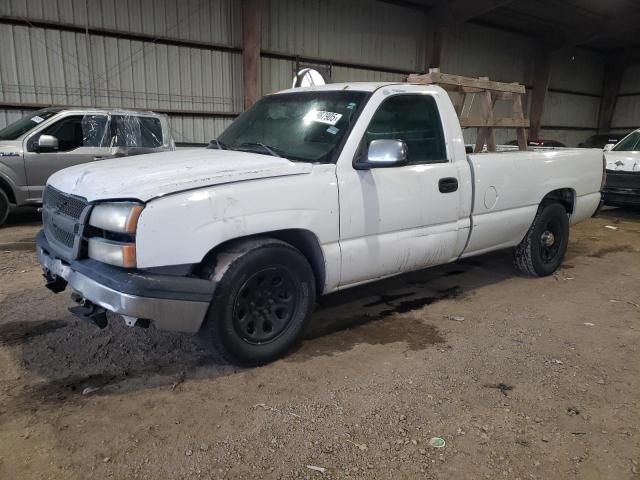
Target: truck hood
144, 177
623, 161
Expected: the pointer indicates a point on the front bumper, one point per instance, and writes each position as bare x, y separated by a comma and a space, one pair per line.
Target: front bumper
622, 188
172, 302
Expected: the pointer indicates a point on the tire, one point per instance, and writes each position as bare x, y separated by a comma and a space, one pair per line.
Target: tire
543, 248
4, 207
261, 305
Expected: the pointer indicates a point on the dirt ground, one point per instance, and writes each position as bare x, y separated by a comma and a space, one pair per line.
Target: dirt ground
523, 378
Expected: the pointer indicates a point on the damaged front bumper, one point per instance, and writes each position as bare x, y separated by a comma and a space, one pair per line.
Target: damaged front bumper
175, 303
622, 188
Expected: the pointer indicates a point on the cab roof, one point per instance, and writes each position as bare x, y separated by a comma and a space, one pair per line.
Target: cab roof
115, 110
353, 86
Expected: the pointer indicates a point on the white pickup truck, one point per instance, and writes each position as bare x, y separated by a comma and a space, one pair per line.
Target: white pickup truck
622, 187
308, 192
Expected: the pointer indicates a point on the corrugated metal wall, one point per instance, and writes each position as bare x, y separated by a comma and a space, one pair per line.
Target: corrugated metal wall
277, 75
215, 21
579, 72
479, 51
51, 66
45, 66
66, 65
377, 34
357, 31
627, 112
10, 116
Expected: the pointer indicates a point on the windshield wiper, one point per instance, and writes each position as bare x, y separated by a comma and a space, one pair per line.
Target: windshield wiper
270, 150
216, 144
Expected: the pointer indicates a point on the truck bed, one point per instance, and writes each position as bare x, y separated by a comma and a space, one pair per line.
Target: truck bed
508, 188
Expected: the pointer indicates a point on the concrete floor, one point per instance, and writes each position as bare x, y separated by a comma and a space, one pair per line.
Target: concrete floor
523, 378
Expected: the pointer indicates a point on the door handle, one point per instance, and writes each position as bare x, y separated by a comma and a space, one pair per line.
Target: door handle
448, 184
98, 158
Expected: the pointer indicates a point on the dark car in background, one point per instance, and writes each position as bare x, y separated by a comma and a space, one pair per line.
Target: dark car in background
536, 143
599, 140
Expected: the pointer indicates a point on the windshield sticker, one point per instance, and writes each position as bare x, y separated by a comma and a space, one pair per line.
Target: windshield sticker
332, 130
329, 118
37, 119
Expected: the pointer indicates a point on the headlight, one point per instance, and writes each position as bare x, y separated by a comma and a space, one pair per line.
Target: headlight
120, 254
121, 217
115, 218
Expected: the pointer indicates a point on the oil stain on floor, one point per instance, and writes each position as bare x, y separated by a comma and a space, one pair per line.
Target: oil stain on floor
338, 327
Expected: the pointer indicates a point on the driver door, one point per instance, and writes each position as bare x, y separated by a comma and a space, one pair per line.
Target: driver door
80, 140
402, 218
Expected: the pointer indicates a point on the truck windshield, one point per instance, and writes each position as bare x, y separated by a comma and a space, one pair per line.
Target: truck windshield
629, 144
303, 126
22, 126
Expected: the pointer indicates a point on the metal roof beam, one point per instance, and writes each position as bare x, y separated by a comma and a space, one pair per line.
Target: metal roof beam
448, 13
624, 24
541, 80
613, 72
251, 46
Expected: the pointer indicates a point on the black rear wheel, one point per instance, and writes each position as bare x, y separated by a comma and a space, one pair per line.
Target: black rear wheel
261, 304
543, 248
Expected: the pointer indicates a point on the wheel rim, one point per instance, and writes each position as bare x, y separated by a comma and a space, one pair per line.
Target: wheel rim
264, 305
550, 241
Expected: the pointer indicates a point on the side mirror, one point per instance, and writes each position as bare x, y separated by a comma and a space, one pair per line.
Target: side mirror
609, 146
384, 154
47, 143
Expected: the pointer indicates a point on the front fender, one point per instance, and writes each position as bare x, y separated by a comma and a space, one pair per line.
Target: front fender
182, 228
8, 184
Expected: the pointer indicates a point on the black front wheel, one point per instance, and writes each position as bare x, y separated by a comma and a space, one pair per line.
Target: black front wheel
543, 248
4, 207
261, 304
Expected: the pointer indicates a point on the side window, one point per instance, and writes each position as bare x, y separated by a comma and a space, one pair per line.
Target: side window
133, 131
125, 131
68, 131
94, 130
78, 131
151, 132
413, 119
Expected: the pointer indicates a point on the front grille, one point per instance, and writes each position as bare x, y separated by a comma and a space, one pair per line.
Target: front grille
622, 179
65, 204
65, 238
621, 200
62, 219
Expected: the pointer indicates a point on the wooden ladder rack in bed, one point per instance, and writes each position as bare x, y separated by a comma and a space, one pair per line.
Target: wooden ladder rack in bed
490, 92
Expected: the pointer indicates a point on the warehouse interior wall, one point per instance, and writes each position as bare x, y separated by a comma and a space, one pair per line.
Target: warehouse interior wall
573, 99
180, 59
627, 112
184, 58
